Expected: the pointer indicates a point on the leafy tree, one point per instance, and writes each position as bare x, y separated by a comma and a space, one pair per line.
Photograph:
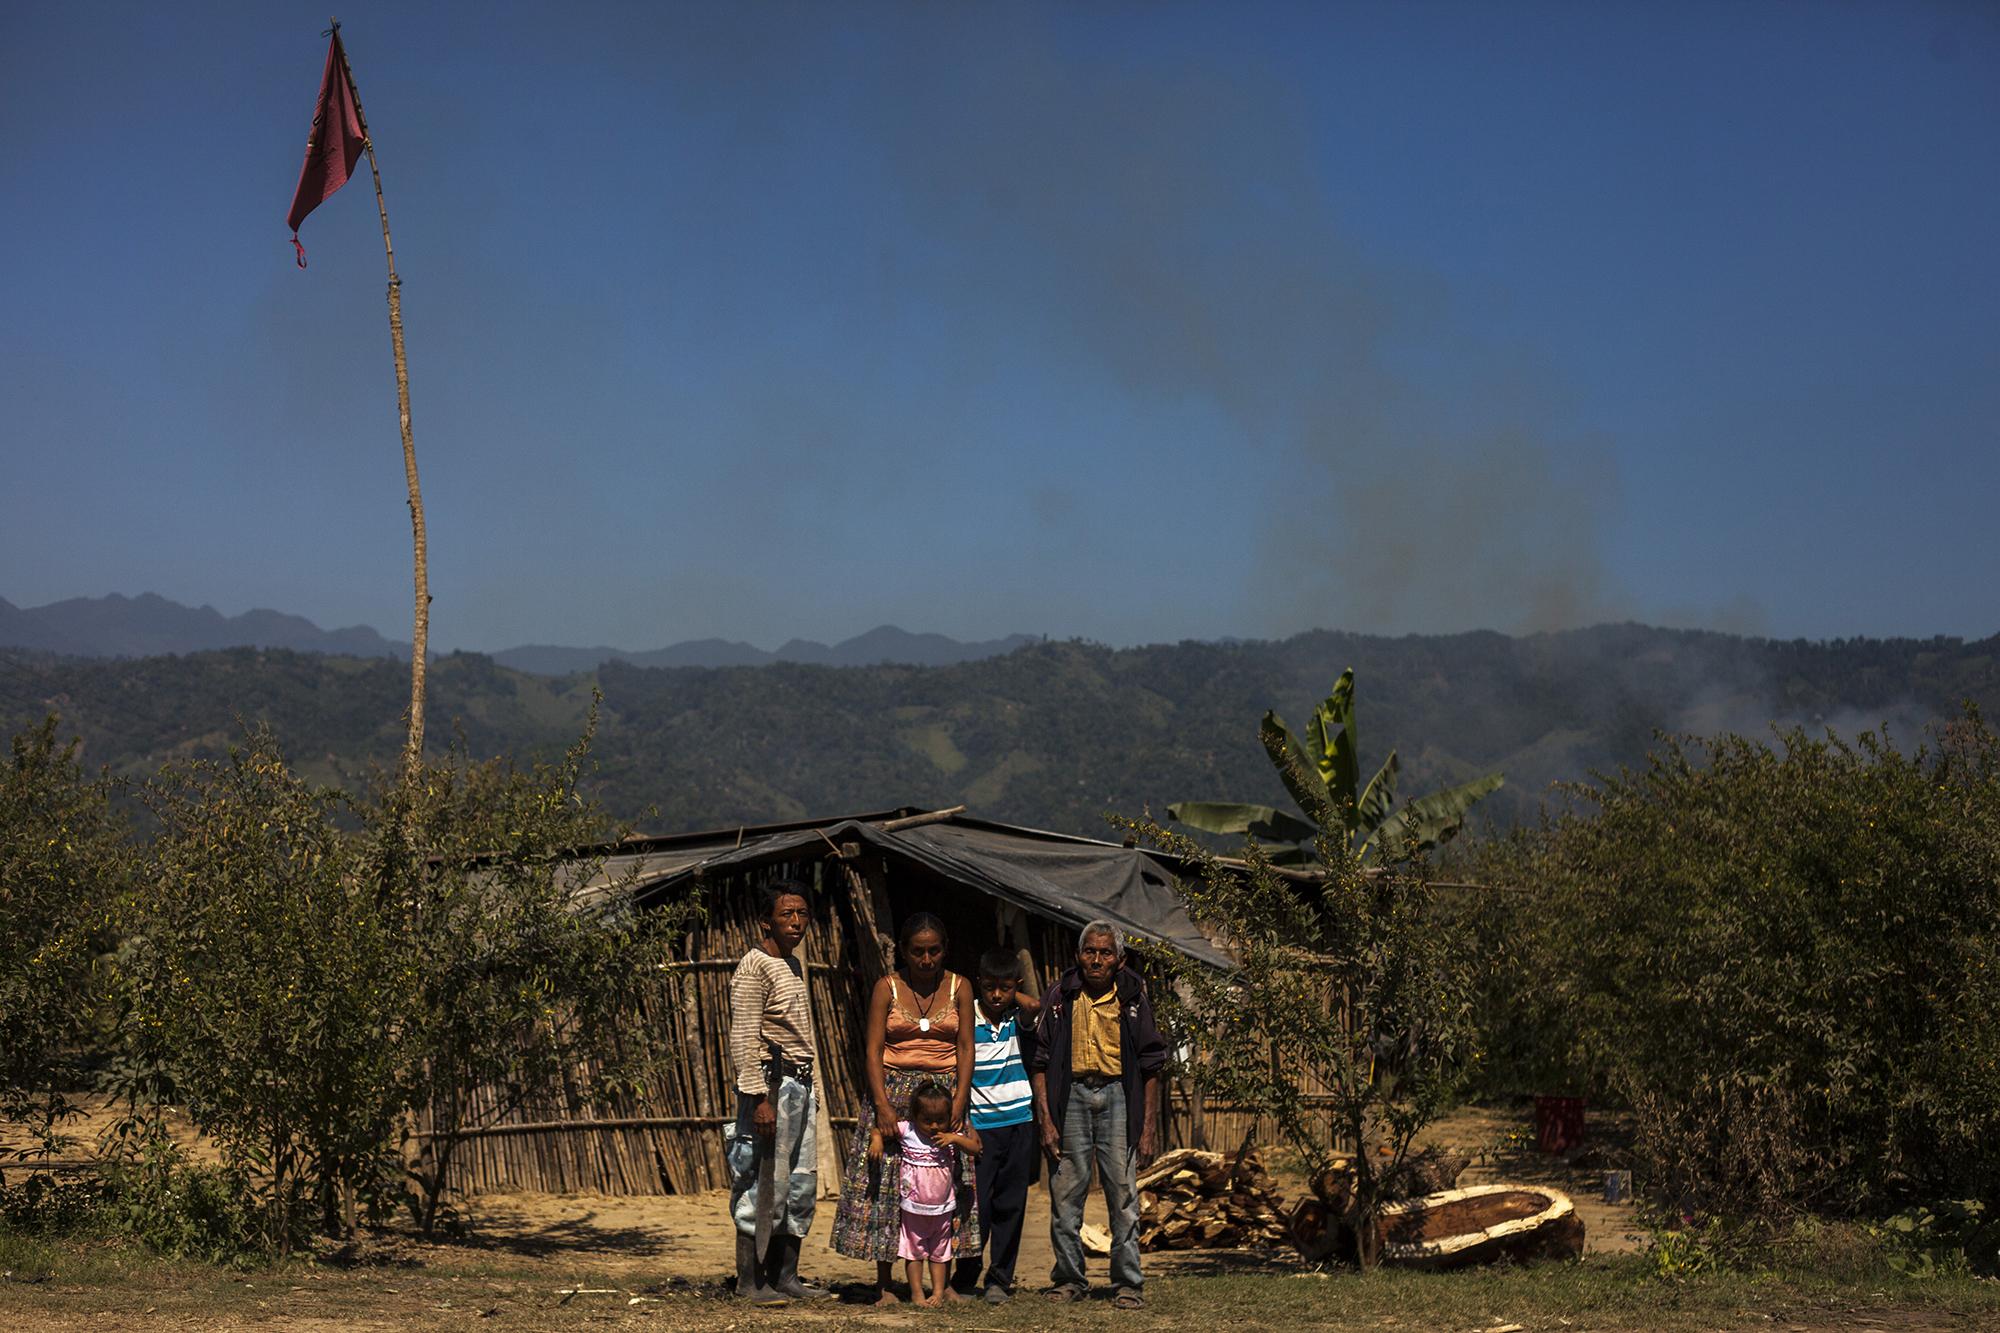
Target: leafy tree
63, 861
511, 983
1325, 770
1352, 983
261, 979
317, 978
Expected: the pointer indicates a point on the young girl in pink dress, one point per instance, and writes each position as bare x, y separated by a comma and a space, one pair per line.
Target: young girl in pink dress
930, 1199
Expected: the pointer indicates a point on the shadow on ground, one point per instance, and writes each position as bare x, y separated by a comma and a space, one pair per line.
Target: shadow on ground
583, 1232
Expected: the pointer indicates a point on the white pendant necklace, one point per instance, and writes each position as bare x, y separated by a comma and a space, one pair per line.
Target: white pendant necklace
924, 1023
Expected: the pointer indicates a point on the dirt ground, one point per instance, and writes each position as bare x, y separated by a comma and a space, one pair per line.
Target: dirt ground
87, 1129
1501, 1143
683, 1238
543, 1262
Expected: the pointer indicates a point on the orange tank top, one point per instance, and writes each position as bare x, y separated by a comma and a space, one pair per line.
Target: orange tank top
927, 1040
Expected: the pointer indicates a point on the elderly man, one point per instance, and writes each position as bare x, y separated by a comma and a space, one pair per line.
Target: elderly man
773, 1157
1095, 1069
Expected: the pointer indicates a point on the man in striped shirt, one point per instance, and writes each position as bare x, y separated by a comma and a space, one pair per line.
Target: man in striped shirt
1002, 1109
771, 1055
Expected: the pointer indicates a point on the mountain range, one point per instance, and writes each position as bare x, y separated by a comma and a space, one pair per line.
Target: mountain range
150, 625
883, 645
1054, 734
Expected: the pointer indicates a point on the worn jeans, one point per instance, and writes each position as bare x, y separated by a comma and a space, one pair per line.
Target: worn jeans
1093, 1132
796, 1179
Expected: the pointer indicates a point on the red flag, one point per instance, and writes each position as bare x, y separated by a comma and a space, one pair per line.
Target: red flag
335, 145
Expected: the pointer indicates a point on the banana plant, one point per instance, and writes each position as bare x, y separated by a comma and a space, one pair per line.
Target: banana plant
1323, 773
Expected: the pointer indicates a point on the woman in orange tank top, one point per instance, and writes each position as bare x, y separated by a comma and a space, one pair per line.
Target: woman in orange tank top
919, 1031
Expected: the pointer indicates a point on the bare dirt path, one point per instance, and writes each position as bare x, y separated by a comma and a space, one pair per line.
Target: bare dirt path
686, 1237
1501, 1142
682, 1236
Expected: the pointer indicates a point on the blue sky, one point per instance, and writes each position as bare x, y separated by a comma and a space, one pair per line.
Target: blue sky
1134, 322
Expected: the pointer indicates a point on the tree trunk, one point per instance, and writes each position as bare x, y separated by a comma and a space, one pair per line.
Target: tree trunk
1363, 1225
434, 1187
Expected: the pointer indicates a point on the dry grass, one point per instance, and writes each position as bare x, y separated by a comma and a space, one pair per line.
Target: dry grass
661, 1263
406, 1286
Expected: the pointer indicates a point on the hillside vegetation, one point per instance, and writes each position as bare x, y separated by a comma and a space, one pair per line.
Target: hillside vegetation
1055, 734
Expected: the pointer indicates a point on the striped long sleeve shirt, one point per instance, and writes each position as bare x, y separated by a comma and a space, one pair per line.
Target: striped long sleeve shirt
768, 1005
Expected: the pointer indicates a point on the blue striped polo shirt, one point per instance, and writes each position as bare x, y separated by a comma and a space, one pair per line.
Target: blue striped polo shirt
1001, 1094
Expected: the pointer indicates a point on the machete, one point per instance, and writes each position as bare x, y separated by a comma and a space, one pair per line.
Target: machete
771, 1206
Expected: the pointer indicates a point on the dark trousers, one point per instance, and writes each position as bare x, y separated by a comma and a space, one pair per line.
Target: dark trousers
1006, 1169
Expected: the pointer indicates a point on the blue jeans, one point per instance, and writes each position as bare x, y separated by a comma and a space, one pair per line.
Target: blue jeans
796, 1179
1093, 1131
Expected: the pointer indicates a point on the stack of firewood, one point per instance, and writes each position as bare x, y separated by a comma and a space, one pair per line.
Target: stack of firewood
1314, 1225
1190, 1199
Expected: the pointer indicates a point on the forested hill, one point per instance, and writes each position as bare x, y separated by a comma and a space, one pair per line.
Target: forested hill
1052, 735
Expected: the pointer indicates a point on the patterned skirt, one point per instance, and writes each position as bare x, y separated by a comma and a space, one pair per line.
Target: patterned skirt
869, 1221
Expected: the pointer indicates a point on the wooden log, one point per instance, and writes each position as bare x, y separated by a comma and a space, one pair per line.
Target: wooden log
569, 1126
1480, 1225
1334, 1186
1314, 1230
1168, 1164
917, 821
875, 950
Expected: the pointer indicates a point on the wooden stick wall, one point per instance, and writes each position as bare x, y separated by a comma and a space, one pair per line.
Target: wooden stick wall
666, 1137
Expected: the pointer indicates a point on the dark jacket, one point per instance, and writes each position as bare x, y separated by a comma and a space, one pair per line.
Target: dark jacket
1142, 1051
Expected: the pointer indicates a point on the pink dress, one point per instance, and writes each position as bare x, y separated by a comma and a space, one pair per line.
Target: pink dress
929, 1199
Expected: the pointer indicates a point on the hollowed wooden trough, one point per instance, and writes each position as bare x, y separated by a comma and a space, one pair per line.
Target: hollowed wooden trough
1480, 1225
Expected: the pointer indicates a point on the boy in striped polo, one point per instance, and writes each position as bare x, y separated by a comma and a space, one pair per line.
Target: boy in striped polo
1003, 1111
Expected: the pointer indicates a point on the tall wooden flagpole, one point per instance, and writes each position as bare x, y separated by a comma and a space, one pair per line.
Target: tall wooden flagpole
413, 746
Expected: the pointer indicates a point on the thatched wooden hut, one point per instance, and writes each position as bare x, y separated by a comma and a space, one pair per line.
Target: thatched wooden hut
992, 884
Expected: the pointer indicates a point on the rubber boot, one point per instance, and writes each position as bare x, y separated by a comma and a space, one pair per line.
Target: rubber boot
750, 1285
786, 1279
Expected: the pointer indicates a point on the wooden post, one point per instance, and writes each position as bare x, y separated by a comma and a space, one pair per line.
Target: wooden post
413, 746
875, 949
826, 1151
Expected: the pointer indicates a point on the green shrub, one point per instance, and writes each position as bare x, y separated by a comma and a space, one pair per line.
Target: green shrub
39, 1203
63, 859
1690, 1251
1948, 1239
147, 1190
1785, 957
320, 980
259, 978
1831, 1248
1355, 985
188, 1211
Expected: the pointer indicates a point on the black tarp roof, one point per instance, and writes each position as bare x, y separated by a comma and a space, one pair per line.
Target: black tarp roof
1069, 879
